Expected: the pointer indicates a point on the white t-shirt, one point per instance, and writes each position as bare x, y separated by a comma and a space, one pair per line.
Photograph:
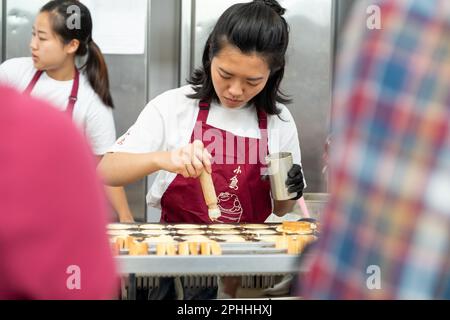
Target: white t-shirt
90, 114
167, 122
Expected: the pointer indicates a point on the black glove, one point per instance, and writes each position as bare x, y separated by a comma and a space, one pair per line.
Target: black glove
295, 181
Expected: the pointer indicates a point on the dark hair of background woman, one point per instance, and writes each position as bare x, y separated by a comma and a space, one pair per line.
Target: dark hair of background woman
61, 16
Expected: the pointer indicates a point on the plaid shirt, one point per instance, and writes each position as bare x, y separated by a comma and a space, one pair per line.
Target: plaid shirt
386, 229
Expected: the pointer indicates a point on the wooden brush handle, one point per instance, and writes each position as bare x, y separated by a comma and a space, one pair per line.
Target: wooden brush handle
209, 192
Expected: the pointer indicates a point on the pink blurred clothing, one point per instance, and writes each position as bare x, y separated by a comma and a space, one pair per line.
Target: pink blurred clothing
52, 207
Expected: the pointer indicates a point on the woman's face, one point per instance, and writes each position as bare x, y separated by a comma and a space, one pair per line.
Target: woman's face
238, 77
47, 49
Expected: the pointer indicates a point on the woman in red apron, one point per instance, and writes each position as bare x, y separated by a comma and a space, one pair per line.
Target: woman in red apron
63, 31
247, 201
243, 65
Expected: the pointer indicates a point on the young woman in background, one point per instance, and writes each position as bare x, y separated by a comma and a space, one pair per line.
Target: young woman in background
83, 93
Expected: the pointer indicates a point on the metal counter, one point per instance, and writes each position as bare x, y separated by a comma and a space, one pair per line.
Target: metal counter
225, 265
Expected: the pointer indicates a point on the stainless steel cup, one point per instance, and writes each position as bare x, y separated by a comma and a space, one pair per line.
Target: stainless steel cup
278, 165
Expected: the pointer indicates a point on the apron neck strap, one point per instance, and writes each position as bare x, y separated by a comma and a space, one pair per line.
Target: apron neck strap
73, 94
264, 145
33, 82
203, 112
262, 120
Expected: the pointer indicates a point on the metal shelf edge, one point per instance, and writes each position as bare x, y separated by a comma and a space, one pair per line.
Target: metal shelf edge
266, 264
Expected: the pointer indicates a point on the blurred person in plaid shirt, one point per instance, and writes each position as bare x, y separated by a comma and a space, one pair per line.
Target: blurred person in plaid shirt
386, 229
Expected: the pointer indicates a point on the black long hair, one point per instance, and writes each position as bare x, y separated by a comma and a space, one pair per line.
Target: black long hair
255, 27
62, 20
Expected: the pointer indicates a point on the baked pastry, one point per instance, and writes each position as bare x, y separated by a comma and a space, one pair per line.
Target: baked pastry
115, 249
222, 226
216, 250
188, 226
193, 248
120, 233
295, 244
121, 242
263, 231
190, 232
161, 248
267, 238
183, 248
231, 238
171, 249
298, 227
138, 248
154, 232
195, 238
226, 231
120, 226
281, 242
256, 226
205, 248
163, 238
152, 226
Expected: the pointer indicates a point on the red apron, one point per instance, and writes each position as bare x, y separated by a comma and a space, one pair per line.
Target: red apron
236, 172
73, 95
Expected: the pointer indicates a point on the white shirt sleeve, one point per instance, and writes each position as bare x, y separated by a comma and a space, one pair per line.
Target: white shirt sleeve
289, 136
3, 75
146, 135
6, 73
283, 136
99, 127
17, 72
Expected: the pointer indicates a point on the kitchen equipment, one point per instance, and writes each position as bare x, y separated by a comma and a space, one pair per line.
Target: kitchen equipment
278, 165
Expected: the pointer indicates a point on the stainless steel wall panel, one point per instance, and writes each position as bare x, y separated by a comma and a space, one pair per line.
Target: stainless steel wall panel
164, 58
163, 68
2, 3
308, 81
186, 40
128, 80
20, 16
205, 17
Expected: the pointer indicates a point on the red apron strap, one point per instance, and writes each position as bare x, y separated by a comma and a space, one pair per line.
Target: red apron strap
262, 120
33, 82
264, 144
201, 119
74, 94
203, 112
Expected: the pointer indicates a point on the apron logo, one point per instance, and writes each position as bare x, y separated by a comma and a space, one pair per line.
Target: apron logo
234, 181
229, 206
122, 139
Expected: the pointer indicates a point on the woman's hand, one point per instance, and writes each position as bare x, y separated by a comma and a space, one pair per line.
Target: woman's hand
189, 161
126, 218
